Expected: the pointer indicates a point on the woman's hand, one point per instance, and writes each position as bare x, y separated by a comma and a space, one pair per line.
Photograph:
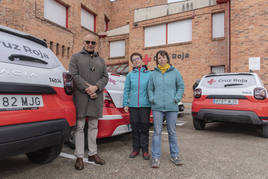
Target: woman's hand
126, 108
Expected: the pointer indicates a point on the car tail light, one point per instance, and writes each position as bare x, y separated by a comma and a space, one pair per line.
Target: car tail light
259, 93
108, 102
68, 83
197, 93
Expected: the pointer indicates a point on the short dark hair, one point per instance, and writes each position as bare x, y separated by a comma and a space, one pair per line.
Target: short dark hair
135, 54
162, 53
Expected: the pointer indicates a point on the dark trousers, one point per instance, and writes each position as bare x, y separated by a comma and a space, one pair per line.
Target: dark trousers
139, 120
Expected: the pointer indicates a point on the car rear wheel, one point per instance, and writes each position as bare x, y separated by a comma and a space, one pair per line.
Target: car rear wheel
265, 131
71, 140
45, 155
199, 124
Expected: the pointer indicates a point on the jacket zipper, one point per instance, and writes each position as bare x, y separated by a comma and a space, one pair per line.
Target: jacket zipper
163, 76
139, 89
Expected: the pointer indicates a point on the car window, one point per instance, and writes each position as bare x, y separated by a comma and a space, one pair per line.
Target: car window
229, 81
22, 51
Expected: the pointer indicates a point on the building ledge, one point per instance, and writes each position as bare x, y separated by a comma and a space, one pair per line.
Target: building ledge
148, 13
118, 31
168, 45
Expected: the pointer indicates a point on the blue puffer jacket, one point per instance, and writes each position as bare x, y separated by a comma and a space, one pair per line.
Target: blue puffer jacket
165, 90
135, 90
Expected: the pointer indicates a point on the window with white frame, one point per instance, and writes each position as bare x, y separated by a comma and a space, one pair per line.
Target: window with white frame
171, 1
56, 12
180, 31
88, 20
217, 69
175, 32
155, 35
117, 48
218, 25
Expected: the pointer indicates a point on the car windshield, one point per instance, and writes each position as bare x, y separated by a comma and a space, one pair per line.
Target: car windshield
22, 51
229, 81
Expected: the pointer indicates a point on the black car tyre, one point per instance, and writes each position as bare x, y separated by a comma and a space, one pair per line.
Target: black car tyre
45, 155
265, 131
199, 124
71, 140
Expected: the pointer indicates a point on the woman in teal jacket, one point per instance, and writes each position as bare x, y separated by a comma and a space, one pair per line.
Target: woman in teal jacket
165, 91
135, 100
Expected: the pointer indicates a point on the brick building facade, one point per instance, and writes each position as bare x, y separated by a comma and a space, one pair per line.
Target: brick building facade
126, 25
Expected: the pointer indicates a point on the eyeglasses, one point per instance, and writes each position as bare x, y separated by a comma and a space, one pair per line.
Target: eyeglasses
136, 59
92, 42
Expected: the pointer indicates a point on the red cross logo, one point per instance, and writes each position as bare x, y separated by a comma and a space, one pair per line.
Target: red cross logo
211, 81
146, 59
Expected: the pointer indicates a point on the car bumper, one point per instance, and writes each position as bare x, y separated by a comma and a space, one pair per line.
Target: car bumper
111, 125
29, 137
218, 115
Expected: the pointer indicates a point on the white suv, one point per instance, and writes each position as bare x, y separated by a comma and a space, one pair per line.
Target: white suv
231, 97
36, 110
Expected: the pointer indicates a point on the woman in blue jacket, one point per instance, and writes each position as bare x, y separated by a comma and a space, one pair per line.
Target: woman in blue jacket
135, 100
165, 90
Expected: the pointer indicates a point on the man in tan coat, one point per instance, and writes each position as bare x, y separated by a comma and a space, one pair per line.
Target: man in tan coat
90, 77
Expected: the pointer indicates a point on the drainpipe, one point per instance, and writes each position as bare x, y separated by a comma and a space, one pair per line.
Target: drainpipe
229, 20
229, 31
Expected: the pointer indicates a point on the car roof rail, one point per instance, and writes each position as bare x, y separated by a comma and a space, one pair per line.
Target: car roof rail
22, 35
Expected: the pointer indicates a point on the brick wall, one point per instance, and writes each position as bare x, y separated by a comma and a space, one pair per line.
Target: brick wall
28, 16
249, 29
203, 51
125, 8
11, 14
249, 35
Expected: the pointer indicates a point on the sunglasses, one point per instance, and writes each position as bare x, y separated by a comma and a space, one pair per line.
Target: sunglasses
92, 42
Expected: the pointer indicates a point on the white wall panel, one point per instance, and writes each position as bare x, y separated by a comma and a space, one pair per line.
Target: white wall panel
117, 48
180, 31
155, 35
171, 1
87, 20
55, 12
218, 25
217, 69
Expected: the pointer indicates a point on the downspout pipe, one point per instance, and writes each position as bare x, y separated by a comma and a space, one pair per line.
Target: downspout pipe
229, 19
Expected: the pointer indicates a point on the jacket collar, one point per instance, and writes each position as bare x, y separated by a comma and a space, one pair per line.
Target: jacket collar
94, 54
143, 69
170, 69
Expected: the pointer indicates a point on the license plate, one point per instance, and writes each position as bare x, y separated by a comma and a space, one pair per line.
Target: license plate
225, 101
17, 102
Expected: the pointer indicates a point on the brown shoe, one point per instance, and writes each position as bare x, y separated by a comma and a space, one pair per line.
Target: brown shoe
95, 158
79, 164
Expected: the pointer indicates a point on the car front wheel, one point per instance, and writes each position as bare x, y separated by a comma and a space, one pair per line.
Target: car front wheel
199, 124
45, 155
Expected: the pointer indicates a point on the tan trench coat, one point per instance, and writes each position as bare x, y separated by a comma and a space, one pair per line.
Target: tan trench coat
91, 69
